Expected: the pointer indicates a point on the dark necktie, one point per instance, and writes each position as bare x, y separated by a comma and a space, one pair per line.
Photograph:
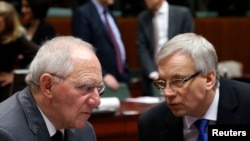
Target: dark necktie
117, 49
58, 136
201, 125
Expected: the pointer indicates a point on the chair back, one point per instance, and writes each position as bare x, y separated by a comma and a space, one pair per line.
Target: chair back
19, 80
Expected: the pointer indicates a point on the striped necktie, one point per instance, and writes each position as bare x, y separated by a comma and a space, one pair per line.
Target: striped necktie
112, 36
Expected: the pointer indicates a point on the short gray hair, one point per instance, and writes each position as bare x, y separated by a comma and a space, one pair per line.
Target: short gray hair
197, 47
54, 57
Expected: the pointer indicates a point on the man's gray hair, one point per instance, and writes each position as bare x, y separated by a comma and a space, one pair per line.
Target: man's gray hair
54, 57
197, 47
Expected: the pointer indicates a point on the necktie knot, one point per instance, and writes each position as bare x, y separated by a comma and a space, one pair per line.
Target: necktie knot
58, 136
201, 125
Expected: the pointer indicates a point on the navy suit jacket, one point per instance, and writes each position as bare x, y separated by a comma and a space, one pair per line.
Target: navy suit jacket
43, 32
159, 123
21, 120
87, 25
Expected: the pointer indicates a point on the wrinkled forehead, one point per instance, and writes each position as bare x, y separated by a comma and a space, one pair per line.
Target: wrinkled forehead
86, 67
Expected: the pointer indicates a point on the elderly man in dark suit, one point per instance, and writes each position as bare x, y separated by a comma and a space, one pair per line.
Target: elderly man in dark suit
94, 23
193, 91
64, 86
159, 23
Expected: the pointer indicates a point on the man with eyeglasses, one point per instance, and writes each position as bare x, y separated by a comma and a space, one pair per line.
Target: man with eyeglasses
64, 86
194, 92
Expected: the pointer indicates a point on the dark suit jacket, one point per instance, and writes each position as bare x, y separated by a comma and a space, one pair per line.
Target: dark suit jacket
43, 32
21, 120
180, 21
159, 124
87, 25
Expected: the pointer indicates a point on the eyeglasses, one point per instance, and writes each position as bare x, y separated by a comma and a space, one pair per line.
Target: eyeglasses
175, 83
84, 88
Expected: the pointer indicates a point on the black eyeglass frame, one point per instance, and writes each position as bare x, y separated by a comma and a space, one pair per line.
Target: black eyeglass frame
183, 80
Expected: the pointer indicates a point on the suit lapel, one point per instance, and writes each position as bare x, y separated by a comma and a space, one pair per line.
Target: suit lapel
171, 24
36, 123
33, 116
149, 28
173, 128
227, 103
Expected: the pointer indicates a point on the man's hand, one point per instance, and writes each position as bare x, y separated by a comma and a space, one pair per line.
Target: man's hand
111, 82
6, 78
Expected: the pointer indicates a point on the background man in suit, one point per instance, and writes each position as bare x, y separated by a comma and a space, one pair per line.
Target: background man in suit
189, 81
159, 23
64, 86
89, 23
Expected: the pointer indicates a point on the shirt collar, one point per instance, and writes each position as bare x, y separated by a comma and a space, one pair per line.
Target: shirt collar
51, 128
211, 113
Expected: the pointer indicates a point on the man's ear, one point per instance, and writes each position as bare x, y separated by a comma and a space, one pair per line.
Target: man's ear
210, 80
46, 81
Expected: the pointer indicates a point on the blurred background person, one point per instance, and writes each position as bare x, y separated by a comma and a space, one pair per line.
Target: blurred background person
90, 23
12, 44
157, 24
33, 17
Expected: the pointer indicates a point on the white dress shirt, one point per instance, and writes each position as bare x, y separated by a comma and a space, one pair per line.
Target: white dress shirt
189, 129
161, 25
